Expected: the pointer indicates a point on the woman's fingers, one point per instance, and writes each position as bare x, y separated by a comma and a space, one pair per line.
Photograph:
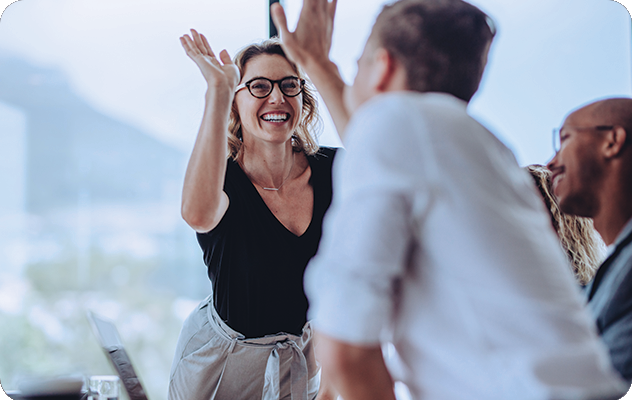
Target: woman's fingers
230, 69
197, 41
198, 46
225, 57
216, 72
189, 46
202, 44
199, 50
184, 44
207, 46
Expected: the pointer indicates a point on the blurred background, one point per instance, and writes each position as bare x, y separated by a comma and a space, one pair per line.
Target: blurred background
99, 108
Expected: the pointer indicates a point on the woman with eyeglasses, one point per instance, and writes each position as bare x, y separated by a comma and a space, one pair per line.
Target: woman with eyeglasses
256, 189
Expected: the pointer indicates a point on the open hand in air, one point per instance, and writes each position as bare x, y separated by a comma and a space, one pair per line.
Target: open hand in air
219, 74
311, 40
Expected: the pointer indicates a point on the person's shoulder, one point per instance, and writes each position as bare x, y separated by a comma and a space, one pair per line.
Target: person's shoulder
235, 182
404, 109
433, 105
380, 116
407, 99
389, 102
380, 112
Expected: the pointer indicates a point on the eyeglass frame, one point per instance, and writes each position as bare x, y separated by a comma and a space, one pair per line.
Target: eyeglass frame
272, 82
557, 143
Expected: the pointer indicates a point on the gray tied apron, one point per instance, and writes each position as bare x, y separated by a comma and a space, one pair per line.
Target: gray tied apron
214, 362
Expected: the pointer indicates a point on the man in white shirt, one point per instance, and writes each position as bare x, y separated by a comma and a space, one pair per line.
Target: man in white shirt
592, 177
436, 240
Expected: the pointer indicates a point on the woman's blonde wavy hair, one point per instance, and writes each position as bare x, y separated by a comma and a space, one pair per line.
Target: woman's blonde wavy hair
584, 247
303, 139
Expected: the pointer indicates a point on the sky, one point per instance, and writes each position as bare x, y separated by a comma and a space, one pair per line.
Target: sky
124, 58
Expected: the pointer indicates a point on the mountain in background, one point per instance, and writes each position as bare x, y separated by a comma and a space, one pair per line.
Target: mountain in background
93, 186
71, 148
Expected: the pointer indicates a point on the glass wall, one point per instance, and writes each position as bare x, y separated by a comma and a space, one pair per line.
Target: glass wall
99, 108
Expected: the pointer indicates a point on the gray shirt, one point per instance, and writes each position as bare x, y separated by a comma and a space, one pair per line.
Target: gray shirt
610, 300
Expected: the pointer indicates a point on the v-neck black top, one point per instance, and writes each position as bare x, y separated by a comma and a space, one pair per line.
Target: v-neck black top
255, 263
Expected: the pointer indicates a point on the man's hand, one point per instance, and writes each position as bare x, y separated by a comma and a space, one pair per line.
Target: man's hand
356, 372
309, 46
311, 41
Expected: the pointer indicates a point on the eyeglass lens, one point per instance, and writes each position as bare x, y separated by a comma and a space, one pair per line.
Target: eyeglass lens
263, 87
556, 140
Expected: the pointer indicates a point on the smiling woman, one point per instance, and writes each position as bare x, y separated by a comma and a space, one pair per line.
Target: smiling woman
99, 110
269, 58
258, 217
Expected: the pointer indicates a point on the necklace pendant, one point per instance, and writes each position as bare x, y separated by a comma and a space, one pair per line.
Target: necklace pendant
276, 189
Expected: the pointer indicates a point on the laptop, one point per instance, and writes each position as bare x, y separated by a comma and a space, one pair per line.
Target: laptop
110, 341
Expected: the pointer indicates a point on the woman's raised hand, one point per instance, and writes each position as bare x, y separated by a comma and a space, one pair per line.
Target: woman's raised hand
219, 74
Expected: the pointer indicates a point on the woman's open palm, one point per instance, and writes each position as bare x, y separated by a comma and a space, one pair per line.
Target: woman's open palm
218, 75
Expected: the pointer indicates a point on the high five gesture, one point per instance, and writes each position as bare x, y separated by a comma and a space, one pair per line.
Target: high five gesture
311, 41
224, 74
309, 47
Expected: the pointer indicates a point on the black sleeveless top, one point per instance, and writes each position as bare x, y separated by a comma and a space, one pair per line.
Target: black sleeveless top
255, 263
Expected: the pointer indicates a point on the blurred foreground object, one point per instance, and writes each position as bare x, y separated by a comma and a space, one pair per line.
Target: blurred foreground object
103, 387
67, 388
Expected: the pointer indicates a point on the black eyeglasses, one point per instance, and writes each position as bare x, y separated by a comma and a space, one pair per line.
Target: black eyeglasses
291, 86
558, 131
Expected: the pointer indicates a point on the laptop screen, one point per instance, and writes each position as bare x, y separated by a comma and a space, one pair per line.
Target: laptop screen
110, 341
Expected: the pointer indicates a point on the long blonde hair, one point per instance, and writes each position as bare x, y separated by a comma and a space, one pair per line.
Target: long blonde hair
577, 235
303, 139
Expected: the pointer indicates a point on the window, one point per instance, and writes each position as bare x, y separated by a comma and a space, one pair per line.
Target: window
99, 108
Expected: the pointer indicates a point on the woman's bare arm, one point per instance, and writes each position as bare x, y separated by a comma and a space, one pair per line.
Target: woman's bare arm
204, 202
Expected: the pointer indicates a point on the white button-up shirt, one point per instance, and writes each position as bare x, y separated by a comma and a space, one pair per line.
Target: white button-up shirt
439, 240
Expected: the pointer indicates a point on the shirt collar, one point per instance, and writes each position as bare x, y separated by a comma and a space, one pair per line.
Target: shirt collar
622, 235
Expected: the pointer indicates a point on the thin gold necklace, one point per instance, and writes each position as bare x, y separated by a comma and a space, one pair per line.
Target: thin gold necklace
288, 175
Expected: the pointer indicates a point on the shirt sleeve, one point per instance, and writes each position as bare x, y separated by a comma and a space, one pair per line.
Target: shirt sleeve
367, 232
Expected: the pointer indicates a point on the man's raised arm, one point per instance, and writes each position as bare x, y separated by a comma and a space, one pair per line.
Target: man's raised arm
309, 47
